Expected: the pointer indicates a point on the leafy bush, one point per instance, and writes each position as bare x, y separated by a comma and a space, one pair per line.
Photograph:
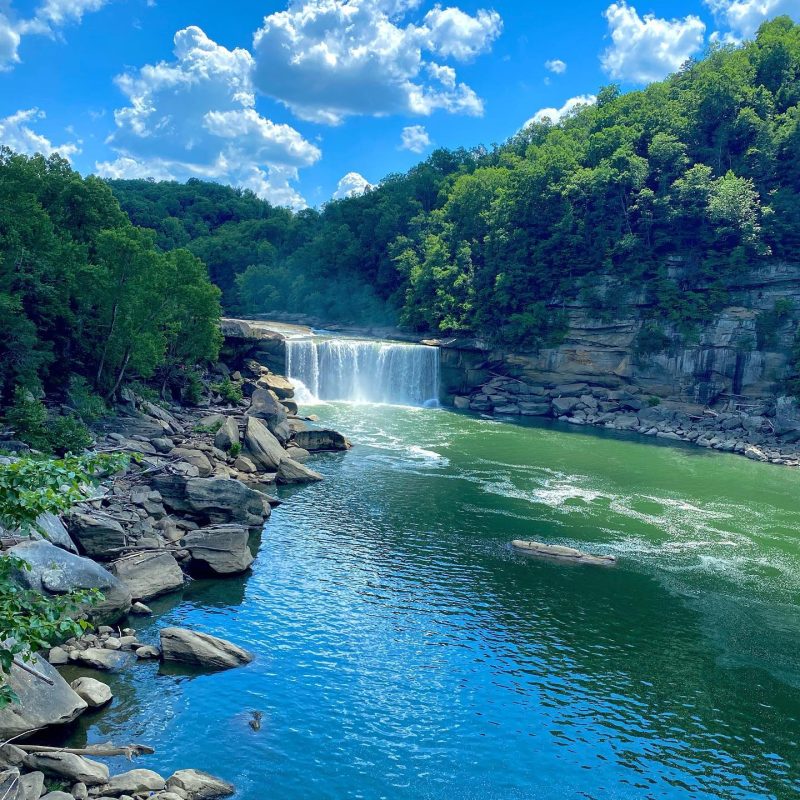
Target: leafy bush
229, 391
193, 388
768, 323
29, 620
84, 402
235, 449
58, 434
651, 340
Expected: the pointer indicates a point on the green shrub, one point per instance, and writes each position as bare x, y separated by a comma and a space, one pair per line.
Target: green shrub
768, 323
651, 340
212, 429
84, 402
57, 434
235, 450
193, 389
229, 391
653, 401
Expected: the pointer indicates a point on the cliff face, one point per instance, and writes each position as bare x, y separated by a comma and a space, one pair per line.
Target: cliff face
721, 360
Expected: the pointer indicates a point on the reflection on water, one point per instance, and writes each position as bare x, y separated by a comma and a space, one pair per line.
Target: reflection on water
403, 651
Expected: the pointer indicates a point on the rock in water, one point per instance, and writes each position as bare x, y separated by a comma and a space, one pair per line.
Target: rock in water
93, 692
134, 782
100, 658
315, 440
149, 575
40, 705
560, 553
190, 647
55, 571
222, 549
265, 450
199, 785
291, 471
73, 768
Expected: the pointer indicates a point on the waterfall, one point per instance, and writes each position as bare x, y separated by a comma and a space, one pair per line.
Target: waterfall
365, 371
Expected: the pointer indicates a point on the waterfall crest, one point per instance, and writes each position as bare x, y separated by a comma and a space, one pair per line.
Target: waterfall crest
360, 371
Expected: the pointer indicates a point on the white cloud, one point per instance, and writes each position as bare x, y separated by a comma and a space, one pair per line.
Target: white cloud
351, 185
329, 59
452, 33
648, 48
557, 114
47, 20
415, 138
195, 116
556, 65
16, 133
743, 17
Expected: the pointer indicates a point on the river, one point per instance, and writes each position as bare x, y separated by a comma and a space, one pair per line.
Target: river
403, 651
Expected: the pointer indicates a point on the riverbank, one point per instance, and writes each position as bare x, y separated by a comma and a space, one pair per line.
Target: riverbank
192, 503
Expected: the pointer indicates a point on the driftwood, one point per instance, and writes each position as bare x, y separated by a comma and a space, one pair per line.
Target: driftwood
107, 750
559, 553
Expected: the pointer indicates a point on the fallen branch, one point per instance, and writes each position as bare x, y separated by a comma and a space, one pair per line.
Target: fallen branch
31, 671
108, 750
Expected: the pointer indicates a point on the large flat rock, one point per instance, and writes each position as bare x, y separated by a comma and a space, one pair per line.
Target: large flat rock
201, 649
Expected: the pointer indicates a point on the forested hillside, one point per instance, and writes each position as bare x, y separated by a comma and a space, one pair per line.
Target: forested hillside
86, 297
702, 169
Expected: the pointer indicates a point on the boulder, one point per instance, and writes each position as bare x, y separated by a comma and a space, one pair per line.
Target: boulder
93, 692
298, 454
68, 766
291, 471
11, 787
262, 446
32, 785
52, 529
563, 405
11, 756
100, 658
135, 781
58, 795
199, 785
200, 649
148, 651
244, 464
149, 575
227, 435
534, 409
221, 549
265, 405
283, 388
55, 571
315, 440
95, 532
57, 656
215, 501
194, 457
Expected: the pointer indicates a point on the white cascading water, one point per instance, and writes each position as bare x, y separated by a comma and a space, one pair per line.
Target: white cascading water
359, 371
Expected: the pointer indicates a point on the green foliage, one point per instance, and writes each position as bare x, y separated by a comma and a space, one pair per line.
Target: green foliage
235, 449
674, 191
87, 405
212, 429
652, 402
650, 340
229, 391
49, 434
84, 291
29, 487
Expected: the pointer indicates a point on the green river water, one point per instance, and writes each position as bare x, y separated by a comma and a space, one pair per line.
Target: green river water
404, 651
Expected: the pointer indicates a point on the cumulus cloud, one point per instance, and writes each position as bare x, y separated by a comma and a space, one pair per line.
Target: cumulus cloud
415, 138
47, 19
329, 59
196, 116
555, 115
648, 48
742, 18
351, 185
16, 133
556, 65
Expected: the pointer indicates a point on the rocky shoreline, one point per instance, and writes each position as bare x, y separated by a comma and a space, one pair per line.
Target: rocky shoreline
199, 486
768, 431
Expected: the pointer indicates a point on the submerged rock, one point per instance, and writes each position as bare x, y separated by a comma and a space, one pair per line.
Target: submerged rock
315, 440
560, 553
93, 692
291, 471
201, 649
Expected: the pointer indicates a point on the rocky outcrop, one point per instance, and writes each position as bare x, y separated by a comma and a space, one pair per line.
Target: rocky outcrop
55, 571
200, 649
220, 549
228, 435
262, 446
39, 705
149, 574
291, 471
213, 501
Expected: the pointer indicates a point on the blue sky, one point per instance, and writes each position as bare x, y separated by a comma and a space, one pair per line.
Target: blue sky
301, 100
